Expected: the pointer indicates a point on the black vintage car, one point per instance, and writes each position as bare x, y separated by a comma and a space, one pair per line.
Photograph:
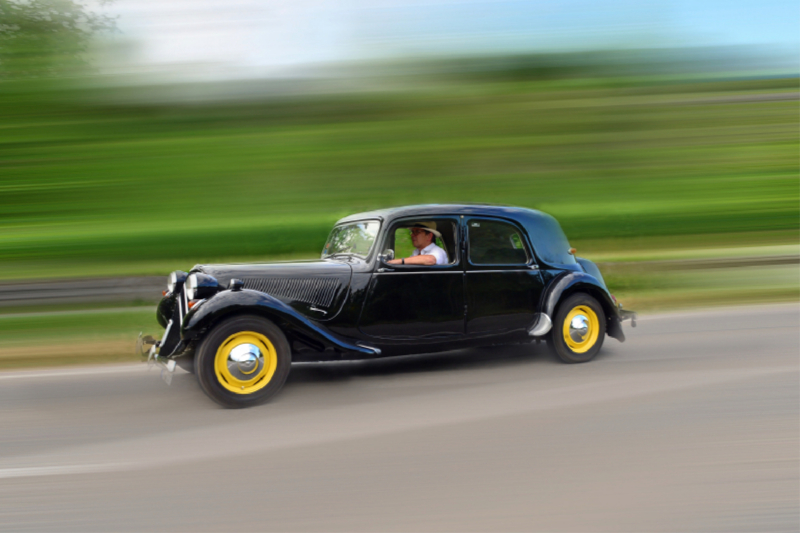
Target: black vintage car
503, 275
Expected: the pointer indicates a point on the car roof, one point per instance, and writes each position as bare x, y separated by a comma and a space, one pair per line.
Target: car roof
392, 213
544, 231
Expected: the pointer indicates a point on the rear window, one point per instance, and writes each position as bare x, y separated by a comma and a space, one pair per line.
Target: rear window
549, 241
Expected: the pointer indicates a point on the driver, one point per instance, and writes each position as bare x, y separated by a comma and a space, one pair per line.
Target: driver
423, 237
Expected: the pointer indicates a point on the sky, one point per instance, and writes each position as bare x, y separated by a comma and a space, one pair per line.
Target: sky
228, 38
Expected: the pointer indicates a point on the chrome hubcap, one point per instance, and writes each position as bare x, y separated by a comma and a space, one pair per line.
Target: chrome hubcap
578, 328
245, 361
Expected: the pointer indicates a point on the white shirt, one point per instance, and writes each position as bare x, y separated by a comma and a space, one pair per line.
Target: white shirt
435, 251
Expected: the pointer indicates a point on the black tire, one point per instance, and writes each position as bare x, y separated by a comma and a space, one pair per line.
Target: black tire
218, 373
585, 347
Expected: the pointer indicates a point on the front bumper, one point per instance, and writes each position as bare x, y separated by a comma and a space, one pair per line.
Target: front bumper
149, 350
163, 352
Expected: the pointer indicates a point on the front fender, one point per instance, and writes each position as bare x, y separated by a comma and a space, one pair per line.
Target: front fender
229, 303
165, 309
568, 282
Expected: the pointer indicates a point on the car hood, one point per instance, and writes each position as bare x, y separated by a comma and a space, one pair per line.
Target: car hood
318, 289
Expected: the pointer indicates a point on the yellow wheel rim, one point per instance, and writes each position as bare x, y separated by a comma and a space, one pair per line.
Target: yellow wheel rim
580, 329
245, 362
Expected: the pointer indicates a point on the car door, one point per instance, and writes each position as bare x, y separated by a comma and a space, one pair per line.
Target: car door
412, 302
503, 282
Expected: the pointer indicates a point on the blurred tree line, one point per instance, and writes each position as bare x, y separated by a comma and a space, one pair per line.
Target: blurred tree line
46, 38
42, 43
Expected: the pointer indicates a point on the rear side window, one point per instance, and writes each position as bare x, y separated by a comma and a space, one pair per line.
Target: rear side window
492, 242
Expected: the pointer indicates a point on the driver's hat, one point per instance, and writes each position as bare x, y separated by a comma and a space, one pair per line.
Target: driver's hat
427, 226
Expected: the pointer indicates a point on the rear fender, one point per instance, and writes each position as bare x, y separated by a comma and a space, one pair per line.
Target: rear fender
228, 303
571, 282
590, 268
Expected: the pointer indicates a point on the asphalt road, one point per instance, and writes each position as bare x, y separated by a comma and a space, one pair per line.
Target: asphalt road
691, 425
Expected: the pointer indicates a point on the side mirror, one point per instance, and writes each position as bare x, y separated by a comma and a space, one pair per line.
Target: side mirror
386, 255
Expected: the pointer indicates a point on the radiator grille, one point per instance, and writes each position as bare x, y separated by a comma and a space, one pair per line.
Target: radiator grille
312, 291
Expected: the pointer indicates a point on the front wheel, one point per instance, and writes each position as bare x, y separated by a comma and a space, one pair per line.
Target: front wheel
244, 361
579, 329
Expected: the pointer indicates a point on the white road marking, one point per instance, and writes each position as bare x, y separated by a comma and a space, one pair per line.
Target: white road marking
89, 371
33, 471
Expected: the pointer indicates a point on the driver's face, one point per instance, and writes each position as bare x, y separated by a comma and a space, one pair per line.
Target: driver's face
420, 238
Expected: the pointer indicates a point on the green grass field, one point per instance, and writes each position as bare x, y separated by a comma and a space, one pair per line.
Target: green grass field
73, 337
635, 169
78, 325
94, 190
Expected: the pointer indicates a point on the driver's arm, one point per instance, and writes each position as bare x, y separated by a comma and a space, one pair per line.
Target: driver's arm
426, 260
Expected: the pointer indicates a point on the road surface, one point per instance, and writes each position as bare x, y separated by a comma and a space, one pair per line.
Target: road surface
693, 424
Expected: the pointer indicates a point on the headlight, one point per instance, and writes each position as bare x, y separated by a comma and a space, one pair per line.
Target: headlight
191, 286
171, 281
175, 279
201, 286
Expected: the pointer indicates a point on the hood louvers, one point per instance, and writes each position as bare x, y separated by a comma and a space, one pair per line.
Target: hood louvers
319, 292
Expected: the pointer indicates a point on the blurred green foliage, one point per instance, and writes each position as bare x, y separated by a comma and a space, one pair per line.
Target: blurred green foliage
100, 189
46, 38
83, 326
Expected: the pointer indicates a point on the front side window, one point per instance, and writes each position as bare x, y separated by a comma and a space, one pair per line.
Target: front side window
352, 239
402, 240
492, 242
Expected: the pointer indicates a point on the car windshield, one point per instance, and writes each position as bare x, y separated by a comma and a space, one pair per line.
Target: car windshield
352, 239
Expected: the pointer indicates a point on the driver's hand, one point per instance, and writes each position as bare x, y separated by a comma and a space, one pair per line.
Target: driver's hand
394, 262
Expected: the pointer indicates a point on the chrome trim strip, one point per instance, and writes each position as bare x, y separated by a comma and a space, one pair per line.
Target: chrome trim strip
528, 269
185, 309
156, 349
423, 272
376, 351
166, 331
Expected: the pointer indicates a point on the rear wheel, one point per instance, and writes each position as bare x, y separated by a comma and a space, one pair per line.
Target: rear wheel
579, 329
243, 361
